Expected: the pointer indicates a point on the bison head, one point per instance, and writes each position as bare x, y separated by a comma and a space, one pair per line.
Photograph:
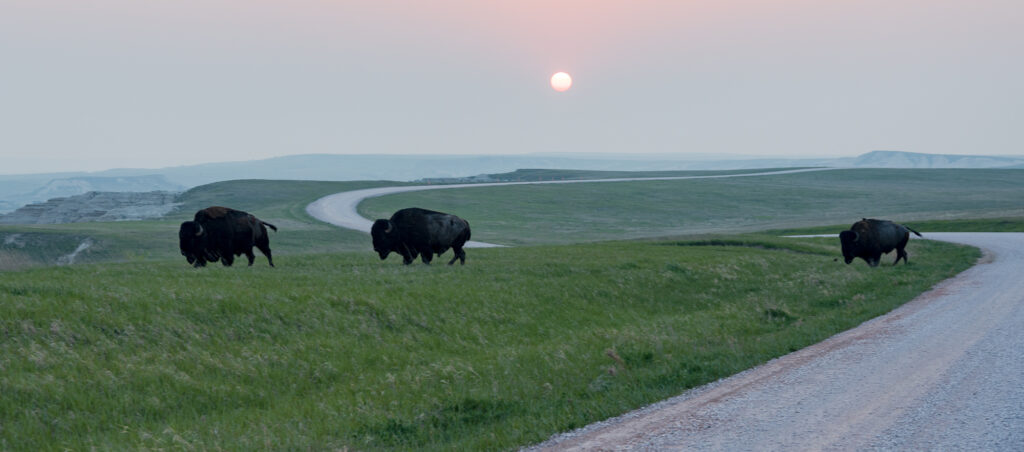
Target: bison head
192, 242
849, 240
385, 237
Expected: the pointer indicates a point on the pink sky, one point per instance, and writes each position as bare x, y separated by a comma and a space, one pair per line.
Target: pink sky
92, 85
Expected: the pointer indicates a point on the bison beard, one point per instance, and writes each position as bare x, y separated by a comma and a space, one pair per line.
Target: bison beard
416, 232
220, 233
868, 239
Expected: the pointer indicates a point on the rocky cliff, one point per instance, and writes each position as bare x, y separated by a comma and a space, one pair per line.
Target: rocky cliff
95, 206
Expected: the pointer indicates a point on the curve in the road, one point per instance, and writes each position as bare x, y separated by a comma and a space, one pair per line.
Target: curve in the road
943, 372
340, 210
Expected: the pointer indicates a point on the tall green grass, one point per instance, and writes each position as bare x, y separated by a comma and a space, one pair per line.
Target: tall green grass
337, 351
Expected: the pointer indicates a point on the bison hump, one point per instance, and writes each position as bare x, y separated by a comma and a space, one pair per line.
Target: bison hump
215, 212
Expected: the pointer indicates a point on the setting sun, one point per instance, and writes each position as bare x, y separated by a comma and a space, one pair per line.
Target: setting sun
561, 81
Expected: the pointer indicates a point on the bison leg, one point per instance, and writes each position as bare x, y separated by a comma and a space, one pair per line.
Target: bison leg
408, 254
211, 256
265, 249
459, 254
263, 243
250, 256
427, 256
227, 260
900, 254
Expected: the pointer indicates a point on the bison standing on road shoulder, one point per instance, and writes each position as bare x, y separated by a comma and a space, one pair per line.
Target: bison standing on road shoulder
868, 239
414, 231
220, 233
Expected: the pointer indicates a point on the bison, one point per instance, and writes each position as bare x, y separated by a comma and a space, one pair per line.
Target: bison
414, 231
220, 233
868, 239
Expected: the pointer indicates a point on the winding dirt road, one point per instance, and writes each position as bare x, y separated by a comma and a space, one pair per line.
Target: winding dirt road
943, 372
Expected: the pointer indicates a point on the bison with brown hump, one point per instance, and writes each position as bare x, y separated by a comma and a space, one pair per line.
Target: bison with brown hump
220, 233
869, 239
415, 232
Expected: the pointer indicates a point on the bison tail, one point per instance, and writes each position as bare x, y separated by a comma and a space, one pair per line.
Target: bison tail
915, 232
275, 227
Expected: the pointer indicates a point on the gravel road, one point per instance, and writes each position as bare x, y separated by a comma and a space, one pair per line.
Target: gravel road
339, 209
943, 372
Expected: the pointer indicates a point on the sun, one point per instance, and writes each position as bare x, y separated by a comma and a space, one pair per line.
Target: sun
561, 81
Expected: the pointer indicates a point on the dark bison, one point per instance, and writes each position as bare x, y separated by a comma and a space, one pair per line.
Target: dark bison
868, 239
220, 233
414, 231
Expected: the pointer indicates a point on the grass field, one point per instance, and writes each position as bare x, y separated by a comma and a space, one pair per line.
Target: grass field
331, 351
573, 213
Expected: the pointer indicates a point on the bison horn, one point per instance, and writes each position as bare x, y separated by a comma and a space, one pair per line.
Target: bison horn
388, 229
199, 230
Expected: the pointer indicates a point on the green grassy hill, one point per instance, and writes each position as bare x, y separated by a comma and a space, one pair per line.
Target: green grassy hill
528, 175
573, 213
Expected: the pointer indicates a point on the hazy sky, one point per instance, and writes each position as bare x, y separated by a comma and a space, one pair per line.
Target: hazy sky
148, 83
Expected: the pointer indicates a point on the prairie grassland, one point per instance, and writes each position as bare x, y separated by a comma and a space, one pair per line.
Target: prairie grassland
330, 351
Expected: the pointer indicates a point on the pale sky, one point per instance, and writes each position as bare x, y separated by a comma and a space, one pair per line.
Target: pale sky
90, 85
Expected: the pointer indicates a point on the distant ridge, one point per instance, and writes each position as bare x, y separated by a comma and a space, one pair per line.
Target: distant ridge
83, 184
898, 159
18, 190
